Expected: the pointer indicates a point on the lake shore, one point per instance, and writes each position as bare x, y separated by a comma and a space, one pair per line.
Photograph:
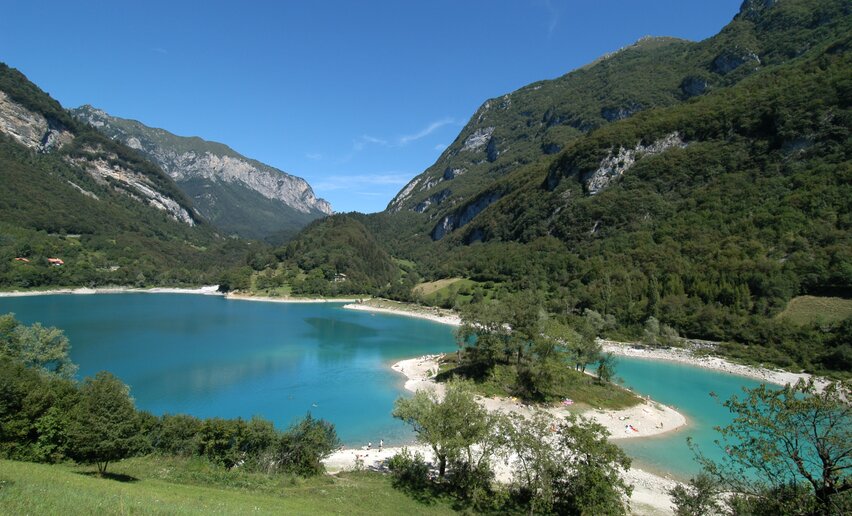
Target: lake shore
208, 290
685, 356
650, 495
646, 419
268, 299
407, 309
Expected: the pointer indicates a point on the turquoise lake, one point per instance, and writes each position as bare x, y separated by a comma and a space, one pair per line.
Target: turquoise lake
208, 356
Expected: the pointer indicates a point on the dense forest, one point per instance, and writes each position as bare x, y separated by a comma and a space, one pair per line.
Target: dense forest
51, 207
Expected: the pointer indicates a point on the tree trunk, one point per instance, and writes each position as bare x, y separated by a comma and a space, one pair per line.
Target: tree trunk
442, 466
823, 502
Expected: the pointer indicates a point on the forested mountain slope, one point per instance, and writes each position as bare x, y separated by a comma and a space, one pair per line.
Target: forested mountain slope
540, 119
98, 206
708, 212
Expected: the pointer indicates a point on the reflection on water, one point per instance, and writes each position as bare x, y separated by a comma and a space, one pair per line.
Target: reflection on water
207, 356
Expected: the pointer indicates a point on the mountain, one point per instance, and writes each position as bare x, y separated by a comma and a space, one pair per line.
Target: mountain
701, 184
236, 194
100, 207
541, 119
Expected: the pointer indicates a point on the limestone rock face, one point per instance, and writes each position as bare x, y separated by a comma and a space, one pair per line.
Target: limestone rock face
478, 139
131, 182
236, 194
433, 199
728, 61
193, 158
620, 161
611, 114
455, 220
29, 128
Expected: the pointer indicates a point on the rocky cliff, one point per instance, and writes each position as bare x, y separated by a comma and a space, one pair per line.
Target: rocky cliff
30, 128
237, 194
45, 133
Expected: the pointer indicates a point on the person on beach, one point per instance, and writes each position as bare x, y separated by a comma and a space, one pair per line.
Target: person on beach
369, 445
381, 444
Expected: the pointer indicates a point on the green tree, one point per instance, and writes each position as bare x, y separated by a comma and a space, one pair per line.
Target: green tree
304, 445
584, 346
606, 367
536, 465
701, 497
36, 346
455, 427
590, 481
651, 333
784, 439
567, 467
104, 426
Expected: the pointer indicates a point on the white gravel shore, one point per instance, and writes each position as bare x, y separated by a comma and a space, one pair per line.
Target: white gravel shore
685, 356
209, 290
420, 313
650, 494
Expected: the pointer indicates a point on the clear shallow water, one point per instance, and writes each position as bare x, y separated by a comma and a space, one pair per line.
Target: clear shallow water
208, 356
687, 389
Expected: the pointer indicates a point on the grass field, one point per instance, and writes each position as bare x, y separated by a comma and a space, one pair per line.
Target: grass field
582, 388
157, 485
430, 287
808, 309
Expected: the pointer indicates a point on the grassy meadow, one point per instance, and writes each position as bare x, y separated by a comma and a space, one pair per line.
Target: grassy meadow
158, 485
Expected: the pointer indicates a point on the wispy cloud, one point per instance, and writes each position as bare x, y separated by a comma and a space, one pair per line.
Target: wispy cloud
553, 17
365, 139
160, 50
361, 183
371, 194
440, 147
431, 128
316, 156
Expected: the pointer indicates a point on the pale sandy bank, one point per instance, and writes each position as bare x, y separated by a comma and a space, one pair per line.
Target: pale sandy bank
650, 495
266, 299
209, 290
439, 316
643, 420
685, 356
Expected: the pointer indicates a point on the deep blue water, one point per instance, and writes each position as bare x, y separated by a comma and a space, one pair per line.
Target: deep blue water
208, 356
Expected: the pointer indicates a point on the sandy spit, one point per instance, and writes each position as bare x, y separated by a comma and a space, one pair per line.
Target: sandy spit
420, 313
650, 495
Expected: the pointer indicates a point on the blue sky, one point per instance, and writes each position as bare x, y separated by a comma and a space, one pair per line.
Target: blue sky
356, 97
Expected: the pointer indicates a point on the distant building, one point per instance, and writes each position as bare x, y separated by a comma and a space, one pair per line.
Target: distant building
56, 262
339, 277
25, 260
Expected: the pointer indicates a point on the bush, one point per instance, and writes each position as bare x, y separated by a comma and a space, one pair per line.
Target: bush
409, 470
303, 446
